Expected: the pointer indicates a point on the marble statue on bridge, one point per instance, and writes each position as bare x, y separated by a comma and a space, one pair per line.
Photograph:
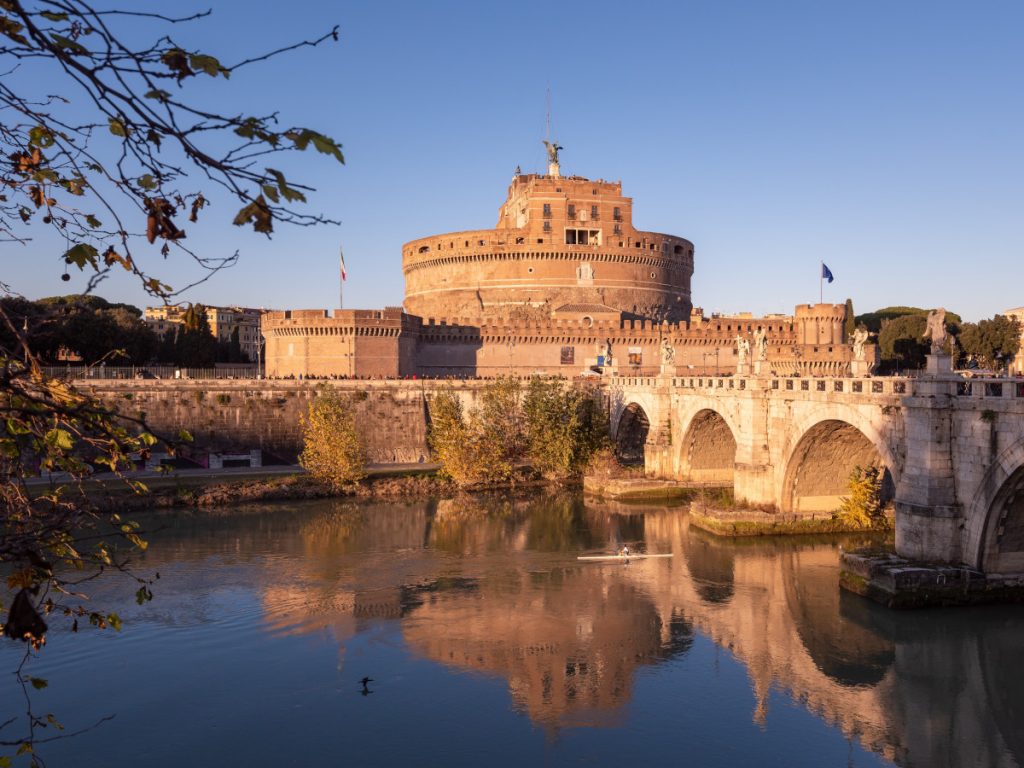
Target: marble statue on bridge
860, 338
742, 349
936, 331
668, 352
761, 343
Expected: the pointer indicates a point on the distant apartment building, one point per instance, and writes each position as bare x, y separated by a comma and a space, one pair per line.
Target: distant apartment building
223, 322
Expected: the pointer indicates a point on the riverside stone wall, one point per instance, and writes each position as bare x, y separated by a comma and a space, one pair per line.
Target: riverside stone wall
232, 415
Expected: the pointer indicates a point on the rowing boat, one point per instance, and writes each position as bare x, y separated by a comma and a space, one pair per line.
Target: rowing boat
619, 557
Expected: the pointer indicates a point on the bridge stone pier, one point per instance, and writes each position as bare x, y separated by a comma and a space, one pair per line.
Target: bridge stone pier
951, 450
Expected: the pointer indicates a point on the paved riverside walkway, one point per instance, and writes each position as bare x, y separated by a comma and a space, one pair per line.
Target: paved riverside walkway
199, 474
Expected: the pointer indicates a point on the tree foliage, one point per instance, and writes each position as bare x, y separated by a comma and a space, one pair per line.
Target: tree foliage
80, 325
452, 442
53, 536
231, 350
850, 320
113, 156
992, 343
901, 344
552, 427
333, 450
195, 346
874, 321
484, 444
901, 341
116, 158
564, 427
863, 507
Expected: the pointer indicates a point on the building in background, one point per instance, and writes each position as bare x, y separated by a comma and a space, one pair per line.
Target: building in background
224, 321
1017, 364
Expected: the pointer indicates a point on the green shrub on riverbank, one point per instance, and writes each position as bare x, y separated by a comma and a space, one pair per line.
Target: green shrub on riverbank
333, 450
863, 507
552, 427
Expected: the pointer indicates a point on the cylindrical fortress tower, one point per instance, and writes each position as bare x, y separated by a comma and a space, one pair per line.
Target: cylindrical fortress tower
559, 241
821, 324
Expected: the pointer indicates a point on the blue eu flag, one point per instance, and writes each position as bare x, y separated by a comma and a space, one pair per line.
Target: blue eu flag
826, 273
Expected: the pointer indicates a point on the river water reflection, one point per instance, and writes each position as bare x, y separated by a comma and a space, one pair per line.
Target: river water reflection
488, 641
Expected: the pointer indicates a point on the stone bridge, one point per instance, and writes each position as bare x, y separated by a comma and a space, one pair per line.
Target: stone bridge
952, 450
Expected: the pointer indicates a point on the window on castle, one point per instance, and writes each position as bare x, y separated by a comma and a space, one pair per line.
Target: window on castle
519, 240
547, 210
572, 211
568, 356
582, 236
617, 214
617, 230
547, 226
593, 211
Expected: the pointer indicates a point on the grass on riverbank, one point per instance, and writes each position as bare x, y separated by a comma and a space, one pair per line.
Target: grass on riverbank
716, 512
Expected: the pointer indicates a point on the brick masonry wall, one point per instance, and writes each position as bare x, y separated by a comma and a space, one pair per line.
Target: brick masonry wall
226, 415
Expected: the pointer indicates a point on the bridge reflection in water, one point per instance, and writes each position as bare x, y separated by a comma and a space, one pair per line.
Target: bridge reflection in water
495, 588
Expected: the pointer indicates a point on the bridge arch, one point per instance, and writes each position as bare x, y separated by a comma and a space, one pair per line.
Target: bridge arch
826, 445
631, 434
995, 518
708, 448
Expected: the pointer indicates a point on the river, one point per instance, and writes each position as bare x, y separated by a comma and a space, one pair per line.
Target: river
488, 643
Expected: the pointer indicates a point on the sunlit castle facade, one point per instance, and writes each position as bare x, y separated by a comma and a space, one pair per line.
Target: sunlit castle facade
559, 241
564, 284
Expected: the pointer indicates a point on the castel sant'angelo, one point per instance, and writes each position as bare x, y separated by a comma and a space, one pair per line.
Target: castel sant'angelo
564, 284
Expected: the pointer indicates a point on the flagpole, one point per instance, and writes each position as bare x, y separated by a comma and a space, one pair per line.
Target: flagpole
821, 283
341, 278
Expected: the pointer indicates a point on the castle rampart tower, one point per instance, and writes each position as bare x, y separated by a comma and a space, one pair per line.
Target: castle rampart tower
559, 241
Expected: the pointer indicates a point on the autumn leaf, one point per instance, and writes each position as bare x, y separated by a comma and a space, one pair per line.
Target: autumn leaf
82, 254
258, 212
117, 127
207, 64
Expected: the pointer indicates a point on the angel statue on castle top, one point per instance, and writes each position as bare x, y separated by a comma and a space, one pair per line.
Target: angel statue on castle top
553, 149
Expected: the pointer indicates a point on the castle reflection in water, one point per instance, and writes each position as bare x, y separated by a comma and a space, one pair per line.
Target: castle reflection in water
494, 588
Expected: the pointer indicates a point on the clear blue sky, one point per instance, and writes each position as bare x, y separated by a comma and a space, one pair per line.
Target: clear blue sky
885, 139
